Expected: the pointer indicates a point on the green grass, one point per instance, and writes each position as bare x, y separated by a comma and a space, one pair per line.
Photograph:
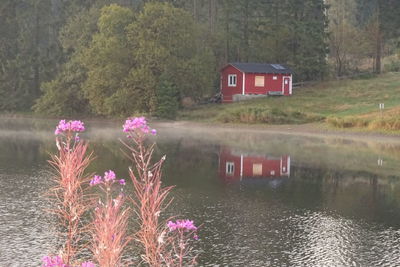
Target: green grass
336, 100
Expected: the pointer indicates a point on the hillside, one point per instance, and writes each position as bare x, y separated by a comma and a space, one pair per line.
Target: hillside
344, 104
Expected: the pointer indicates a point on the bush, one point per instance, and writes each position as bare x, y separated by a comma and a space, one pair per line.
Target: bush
266, 115
347, 122
167, 99
393, 66
387, 124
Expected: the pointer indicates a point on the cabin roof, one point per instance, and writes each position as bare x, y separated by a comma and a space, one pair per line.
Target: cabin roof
261, 68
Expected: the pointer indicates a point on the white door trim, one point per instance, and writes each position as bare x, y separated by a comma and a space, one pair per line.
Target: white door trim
290, 84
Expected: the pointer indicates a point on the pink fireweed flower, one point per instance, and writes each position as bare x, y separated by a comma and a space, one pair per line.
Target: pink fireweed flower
185, 225
109, 176
88, 264
138, 124
122, 182
56, 261
95, 180
70, 126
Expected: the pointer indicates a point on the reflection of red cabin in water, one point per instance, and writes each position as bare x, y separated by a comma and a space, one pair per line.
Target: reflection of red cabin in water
238, 166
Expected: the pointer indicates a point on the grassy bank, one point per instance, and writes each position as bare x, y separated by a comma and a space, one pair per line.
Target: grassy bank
342, 104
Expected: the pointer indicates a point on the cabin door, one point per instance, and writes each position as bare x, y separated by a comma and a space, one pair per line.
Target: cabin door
286, 85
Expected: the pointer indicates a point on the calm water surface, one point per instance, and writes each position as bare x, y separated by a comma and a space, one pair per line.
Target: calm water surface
263, 199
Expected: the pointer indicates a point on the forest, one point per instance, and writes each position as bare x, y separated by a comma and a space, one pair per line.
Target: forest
125, 57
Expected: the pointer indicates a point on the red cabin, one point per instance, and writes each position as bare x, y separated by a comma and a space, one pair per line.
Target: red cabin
249, 79
239, 166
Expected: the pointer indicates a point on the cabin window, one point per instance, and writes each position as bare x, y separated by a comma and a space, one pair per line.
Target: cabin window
272, 172
257, 169
286, 81
275, 78
259, 81
230, 168
232, 80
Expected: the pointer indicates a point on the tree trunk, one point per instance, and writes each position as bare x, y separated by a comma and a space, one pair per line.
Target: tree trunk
378, 58
378, 52
36, 68
245, 43
227, 32
195, 12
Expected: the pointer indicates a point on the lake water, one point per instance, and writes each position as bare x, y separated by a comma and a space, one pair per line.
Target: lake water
262, 199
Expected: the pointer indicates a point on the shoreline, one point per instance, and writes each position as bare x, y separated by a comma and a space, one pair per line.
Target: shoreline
318, 130
305, 130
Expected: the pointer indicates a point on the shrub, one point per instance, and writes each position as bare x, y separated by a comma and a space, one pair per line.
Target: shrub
393, 66
266, 115
388, 124
347, 122
167, 99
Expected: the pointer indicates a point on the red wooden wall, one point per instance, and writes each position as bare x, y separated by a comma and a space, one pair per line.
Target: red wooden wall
270, 85
228, 91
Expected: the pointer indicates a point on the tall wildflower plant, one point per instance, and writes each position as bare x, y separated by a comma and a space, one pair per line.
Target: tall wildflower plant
150, 199
179, 251
68, 194
110, 222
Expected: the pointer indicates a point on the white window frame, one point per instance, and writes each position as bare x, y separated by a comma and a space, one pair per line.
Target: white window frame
232, 78
230, 168
274, 78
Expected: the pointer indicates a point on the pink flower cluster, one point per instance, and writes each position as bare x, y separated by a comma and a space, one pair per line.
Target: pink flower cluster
70, 126
56, 261
88, 264
138, 124
109, 176
185, 225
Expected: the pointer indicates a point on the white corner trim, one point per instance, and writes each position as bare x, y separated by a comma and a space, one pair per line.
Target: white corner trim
241, 167
243, 83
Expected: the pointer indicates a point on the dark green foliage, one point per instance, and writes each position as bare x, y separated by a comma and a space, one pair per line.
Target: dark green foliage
29, 53
382, 20
63, 96
163, 40
127, 56
137, 94
167, 100
107, 57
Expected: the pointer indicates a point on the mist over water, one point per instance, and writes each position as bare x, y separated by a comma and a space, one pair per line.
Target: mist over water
262, 199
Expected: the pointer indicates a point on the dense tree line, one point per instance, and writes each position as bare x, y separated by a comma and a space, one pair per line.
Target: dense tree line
119, 57
362, 34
